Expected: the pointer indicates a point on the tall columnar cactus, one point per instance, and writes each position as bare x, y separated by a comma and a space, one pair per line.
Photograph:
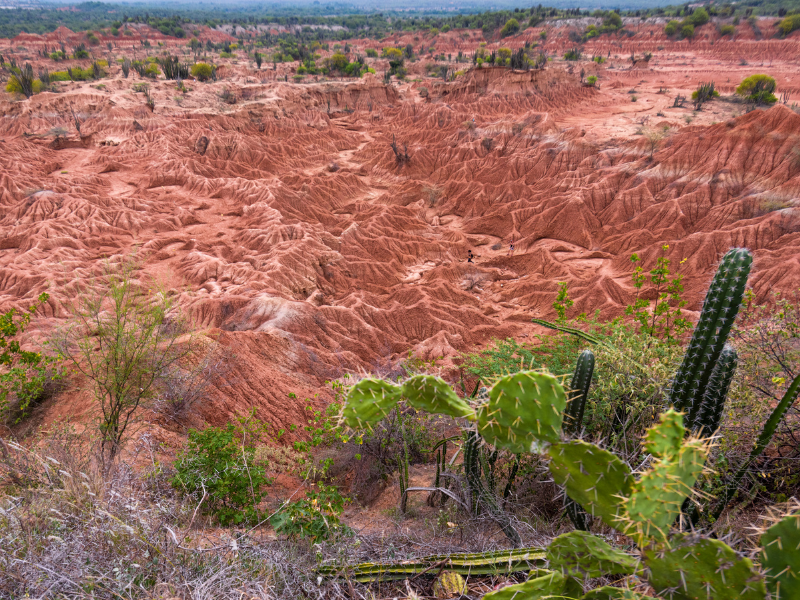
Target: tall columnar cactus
573, 422
579, 392
719, 312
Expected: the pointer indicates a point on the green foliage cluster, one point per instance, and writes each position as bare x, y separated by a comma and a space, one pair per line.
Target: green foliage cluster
612, 22
202, 71
685, 28
789, 24
315, 517
219, 468
758, 88
24, 374
510, 28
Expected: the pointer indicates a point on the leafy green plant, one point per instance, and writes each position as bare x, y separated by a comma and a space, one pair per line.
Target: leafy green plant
562, 301
663, 318
219, 467
24, 374
758, 88
315, 517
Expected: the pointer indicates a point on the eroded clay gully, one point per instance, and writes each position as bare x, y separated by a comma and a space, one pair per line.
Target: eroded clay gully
292, 234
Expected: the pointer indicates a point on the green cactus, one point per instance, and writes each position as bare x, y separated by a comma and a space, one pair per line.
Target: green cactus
432, 394
496, 562
767, 433
582, 554
368, 402
656, 498
706, 418
552, 585
695, 570
578, 396
780, 557
579, 392
524, 411
721, 305
593, 477
403, 462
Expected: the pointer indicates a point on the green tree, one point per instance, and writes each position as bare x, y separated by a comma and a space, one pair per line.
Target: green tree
201, 71
122, 338
510, 28
699, 17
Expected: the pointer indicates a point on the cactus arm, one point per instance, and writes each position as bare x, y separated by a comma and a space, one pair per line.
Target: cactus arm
767, 433
720, 307
705, 417
587, 337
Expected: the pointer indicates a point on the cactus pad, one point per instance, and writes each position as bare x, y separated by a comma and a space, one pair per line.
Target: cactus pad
369, 401
433, 395
582, 554
657, 498
593, 477
780, 557
664, 439
702, 570
524, 411
552, 585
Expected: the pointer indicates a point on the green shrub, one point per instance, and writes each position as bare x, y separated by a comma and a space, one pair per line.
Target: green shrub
315, 517
372, 53
22, 81
789, 24
591, 80
671, 28
574, 54
221, 463
510, 28
687, 31
202, 71
24, 375
758, 88
727, 30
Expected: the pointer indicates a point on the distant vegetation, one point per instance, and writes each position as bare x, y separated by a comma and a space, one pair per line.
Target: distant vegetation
314, 21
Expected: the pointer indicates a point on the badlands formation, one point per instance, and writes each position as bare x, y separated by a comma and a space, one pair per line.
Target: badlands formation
290, 232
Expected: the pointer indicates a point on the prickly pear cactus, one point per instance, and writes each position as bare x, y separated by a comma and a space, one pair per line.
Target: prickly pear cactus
780, 557
593, 477
369, 401
524, 411
552, 585
583, 554
657, 497
702, 570
432, 394
449, 585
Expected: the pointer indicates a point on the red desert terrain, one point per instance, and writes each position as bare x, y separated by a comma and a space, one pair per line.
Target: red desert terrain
289, 231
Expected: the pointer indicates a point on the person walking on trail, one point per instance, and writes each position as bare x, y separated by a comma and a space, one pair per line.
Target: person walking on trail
511, 248
470, 256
